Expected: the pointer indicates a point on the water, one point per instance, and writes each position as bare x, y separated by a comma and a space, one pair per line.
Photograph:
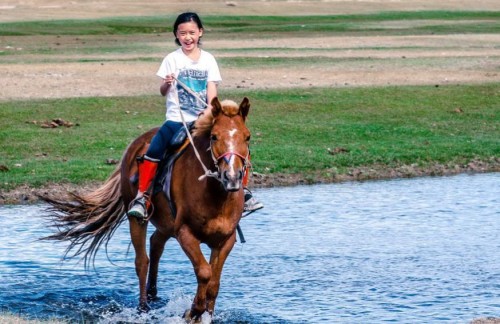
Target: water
407, 251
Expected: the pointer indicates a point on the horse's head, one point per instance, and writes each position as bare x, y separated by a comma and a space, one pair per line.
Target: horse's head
229, 140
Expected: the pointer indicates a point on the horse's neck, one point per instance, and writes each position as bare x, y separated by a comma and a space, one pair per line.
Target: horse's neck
205, 160
202, 146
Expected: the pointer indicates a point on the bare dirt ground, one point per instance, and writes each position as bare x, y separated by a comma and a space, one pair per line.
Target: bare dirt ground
393, 60
363, 61
409, 60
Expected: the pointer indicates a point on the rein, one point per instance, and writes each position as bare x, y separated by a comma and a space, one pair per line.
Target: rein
227, 156
207, 173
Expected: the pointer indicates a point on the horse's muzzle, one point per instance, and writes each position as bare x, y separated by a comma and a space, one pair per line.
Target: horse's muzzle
232, 182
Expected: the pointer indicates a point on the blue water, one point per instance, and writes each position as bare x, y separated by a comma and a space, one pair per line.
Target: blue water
408, 251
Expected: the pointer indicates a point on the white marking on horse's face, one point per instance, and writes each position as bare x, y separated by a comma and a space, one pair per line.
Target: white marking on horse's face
231, 148
232, 132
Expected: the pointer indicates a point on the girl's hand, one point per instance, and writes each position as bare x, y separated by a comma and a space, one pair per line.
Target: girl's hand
167, 82
169, 79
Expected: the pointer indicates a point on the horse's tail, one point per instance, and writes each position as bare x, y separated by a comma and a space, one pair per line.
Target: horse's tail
87, 221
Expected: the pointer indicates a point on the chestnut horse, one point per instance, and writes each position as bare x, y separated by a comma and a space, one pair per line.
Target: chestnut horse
208, 208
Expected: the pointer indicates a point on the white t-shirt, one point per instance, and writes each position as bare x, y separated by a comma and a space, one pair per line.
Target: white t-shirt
194, 74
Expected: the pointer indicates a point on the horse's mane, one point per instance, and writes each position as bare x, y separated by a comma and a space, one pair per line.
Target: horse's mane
204, 123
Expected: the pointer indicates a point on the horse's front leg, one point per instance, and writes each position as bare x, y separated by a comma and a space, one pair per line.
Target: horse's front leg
217, 259
203, 271
138, 236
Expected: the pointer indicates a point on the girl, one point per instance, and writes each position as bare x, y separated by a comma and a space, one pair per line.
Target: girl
198, 70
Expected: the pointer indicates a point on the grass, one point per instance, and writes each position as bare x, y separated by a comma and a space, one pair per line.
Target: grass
390, 126
266, 26
293, 130
144, 38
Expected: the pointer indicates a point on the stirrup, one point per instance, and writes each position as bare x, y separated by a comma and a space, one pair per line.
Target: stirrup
139, 209
251, 204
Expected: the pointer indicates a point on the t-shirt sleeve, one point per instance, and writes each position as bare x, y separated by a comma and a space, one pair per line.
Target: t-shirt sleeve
166, 67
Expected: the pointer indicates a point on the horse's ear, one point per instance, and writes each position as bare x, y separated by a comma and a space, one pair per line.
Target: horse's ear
216, 107
244, 107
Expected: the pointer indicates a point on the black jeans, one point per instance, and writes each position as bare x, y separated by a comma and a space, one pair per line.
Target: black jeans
161, 140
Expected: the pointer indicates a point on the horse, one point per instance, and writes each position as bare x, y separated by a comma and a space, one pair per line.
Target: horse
208, 203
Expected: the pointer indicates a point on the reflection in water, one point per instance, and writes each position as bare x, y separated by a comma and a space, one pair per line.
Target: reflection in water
413, 250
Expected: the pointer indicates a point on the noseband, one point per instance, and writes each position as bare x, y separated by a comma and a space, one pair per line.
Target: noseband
227, 157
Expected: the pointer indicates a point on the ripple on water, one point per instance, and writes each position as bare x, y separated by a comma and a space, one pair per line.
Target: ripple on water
411, 251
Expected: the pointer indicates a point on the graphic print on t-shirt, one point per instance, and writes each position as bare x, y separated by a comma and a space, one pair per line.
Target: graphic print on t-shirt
196, 80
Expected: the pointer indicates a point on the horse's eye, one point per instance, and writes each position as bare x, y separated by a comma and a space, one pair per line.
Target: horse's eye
213, 137
248, 138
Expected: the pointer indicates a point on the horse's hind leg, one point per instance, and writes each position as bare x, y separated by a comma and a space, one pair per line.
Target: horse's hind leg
164, 224
157, 245
138, 236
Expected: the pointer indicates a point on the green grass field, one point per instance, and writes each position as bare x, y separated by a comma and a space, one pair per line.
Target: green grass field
266, 26
106, 36
305, 130
293, 131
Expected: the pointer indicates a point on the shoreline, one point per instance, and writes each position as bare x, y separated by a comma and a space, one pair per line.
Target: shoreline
25, 194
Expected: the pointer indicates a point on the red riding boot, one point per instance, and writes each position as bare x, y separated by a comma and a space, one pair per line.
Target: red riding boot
147, 172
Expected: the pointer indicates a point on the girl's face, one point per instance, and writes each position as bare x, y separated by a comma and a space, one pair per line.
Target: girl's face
188, 35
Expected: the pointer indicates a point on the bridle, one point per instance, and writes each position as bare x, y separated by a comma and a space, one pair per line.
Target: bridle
227, 156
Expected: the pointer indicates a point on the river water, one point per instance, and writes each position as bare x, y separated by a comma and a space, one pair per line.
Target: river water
419, 250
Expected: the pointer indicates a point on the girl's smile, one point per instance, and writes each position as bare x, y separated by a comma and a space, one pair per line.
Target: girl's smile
189, 36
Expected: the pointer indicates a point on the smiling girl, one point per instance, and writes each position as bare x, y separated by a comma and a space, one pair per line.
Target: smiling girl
196, 69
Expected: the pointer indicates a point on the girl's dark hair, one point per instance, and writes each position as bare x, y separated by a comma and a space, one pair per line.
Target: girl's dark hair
184, 18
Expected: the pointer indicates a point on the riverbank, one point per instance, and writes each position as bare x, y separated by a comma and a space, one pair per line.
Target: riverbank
415, 96
26, 194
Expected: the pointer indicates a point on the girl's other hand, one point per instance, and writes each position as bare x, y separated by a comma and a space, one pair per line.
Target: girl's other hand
169, 79
167, 82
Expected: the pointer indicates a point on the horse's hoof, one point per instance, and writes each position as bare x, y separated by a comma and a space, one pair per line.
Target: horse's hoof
189, 318
153, 298
143, 307
152, 294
